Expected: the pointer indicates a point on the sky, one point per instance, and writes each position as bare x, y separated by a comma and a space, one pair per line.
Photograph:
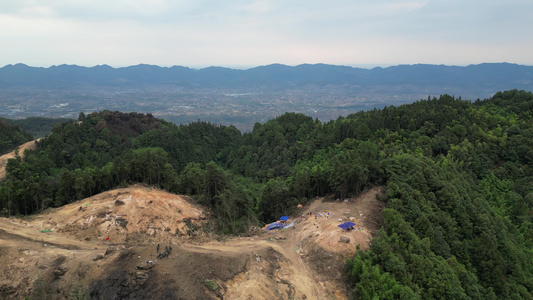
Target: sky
243, 34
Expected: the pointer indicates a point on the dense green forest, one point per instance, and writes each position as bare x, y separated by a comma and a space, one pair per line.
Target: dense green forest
458, 177
37, 126
13, 133
11, 136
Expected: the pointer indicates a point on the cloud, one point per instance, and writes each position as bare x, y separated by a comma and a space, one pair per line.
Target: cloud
241, 32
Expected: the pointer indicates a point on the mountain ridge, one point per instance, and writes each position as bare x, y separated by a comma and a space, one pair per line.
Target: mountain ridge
63, 76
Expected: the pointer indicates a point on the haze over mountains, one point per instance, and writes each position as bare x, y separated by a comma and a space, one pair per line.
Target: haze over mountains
243, 97
477, 77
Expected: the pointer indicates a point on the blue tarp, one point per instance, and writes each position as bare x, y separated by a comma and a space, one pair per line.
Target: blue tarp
346, 225
275, 226
284, 218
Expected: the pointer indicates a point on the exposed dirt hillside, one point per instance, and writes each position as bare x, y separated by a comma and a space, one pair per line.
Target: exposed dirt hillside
3, 159
120, 215
107, 247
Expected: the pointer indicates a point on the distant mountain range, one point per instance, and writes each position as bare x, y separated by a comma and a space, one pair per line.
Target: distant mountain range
482, 77
243, 97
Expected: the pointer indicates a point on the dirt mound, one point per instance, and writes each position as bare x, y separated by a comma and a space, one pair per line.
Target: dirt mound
128, 211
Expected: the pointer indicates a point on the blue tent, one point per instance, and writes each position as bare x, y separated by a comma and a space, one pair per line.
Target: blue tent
275, 226
346, 225
284, 218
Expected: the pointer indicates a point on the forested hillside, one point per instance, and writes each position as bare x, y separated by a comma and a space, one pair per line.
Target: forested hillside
37, 126
11, 136
458, 176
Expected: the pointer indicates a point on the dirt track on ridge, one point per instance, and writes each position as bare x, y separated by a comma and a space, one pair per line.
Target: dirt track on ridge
3, 159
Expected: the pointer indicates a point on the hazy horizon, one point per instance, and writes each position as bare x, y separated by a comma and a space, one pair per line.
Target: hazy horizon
242, 67
254, 33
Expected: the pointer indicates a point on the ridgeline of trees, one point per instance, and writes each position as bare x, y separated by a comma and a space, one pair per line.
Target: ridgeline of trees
13, 133
11, 137
458, 176
37, 126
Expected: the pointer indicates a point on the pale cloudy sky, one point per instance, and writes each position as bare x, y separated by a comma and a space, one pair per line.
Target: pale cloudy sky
199, 33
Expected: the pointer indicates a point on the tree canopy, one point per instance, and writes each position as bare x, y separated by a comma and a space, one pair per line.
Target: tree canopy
459, 199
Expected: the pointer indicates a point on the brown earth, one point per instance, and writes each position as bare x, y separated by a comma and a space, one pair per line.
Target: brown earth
54, 254
3, 159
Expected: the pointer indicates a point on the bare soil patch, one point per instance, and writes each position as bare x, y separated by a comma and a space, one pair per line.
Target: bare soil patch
117, 216
68, 248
